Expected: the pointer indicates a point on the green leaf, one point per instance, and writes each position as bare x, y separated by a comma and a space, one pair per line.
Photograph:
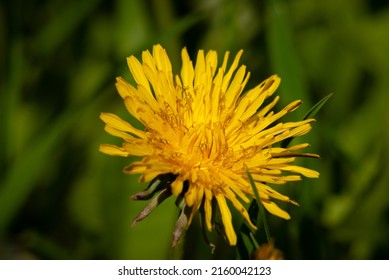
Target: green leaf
316, 108
260, 206
19, 181
311, 113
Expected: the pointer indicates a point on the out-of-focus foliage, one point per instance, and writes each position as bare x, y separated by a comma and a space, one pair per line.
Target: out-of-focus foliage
61, 199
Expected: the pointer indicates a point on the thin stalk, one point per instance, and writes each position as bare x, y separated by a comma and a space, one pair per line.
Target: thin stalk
261, 208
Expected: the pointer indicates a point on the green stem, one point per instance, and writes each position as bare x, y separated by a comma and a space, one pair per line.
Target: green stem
260, 206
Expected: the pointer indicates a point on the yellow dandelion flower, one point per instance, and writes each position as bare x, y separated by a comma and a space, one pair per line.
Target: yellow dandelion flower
201, 132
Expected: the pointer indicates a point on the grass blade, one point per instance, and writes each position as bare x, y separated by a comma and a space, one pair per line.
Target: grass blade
311, 113
260, 206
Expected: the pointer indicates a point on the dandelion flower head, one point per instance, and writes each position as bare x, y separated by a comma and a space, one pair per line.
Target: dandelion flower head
202, 131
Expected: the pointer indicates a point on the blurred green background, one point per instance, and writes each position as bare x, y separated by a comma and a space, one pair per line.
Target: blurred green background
62, 199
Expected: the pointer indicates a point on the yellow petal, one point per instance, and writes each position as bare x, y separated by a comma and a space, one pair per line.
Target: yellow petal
138, 148
118, 133
124, 89
208, 208
162, 60
119, 124
199, 69
187, 71
137, 72
135, 168
275, 210
266, 89
228, 75
177, 186
302, 170
242, 210
211, 62
113, 150
190, 196
226, 219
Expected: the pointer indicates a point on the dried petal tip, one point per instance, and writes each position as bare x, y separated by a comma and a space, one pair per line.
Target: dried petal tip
158, 183
181, 226
164, 194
